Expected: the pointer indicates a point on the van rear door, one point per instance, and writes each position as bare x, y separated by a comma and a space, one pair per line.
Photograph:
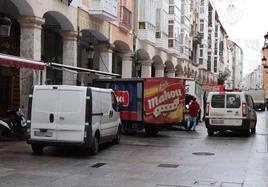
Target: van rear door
44, 113
70, 122
233, 111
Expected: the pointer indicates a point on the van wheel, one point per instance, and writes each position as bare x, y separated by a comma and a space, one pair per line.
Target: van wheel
210, 132
253, 130
246, 132
95, 145
37, 149
117, 137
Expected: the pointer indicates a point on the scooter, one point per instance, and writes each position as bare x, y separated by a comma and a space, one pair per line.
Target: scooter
15, 124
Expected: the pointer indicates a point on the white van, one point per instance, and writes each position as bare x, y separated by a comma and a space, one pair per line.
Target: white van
230, 111
72, 115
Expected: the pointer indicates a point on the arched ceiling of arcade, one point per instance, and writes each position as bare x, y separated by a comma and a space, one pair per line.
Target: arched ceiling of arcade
121, 46
142, 54
57, 18
157, 60
169, 65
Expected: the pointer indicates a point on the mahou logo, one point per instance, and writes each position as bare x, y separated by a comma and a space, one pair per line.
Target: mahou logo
122, 97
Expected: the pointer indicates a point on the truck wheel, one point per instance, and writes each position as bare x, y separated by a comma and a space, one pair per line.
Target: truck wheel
37, 149
117, 137
151, 131
1, 132
95, 145
210, 132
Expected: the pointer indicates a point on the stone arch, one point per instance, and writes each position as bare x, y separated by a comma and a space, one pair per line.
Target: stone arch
60, 19
157, 66
90, 44
23, 7
59, 44
142, 63
179, 71
169, 69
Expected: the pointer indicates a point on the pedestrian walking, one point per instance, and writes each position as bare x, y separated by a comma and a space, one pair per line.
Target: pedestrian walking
193, 108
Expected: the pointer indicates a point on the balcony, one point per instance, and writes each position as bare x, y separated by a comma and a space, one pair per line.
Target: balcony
103, 9
146, 32
125, 19
161, 40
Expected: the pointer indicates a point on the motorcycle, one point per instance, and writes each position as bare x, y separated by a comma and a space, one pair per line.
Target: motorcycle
15, 124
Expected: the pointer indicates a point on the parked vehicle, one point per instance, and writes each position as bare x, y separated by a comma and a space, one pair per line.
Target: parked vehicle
72, 115
230, 111
150, 103
15, 124
258, 96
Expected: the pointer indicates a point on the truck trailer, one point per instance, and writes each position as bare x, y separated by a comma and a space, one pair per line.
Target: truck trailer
148, 103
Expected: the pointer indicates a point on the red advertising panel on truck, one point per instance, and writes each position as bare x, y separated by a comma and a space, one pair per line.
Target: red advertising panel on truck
163, 100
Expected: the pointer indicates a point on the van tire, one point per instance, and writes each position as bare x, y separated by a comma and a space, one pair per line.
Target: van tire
210, 132
253, 130
37, 149
95, 145
117, 137
246, 133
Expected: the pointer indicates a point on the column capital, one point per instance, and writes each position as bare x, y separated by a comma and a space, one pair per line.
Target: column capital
146, 62
69, 35
159, 66
106, 47
127, 55
170, 70
31, 22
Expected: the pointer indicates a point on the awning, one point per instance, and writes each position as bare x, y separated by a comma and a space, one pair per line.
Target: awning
18, 62
78, 70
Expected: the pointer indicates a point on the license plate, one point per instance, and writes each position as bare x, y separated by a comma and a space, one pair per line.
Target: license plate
217, 121
43, 134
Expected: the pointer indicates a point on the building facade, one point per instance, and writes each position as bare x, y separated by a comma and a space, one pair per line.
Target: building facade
132, 38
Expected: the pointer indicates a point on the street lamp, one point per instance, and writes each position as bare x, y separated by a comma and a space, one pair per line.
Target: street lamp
5, 26
266, 40
264, 62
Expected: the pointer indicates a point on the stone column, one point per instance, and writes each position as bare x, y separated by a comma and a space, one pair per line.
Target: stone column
30, 47
127, 65
69, 56
146, 68
159, 70
106, 58
170, 73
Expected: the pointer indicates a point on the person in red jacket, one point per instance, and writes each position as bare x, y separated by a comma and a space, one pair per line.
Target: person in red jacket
193, 108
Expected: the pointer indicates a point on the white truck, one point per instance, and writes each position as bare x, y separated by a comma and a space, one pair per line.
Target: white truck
258, 96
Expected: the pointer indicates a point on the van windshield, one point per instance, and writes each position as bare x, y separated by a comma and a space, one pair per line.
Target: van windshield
217, 101
233, 101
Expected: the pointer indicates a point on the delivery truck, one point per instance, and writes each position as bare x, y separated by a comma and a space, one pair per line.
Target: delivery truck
150, 103
258, 96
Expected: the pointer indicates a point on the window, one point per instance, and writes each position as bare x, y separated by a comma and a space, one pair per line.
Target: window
233, 101
170, 43
201, 27
171, 10
170, 31
217, 101
201, 53
114, 102
200, 61
142, 25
